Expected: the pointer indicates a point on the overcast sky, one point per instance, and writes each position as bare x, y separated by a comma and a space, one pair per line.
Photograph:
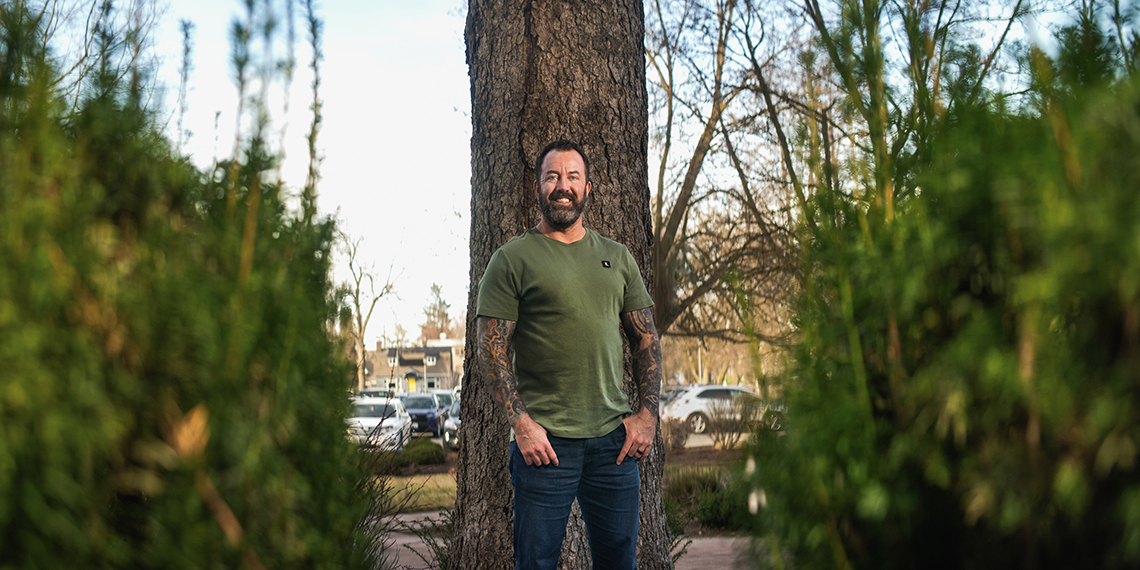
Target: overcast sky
395, 138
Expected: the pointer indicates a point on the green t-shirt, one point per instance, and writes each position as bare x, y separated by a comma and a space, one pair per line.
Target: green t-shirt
567, 300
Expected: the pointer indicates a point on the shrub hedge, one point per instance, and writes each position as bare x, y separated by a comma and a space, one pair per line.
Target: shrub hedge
171, 396
965, 394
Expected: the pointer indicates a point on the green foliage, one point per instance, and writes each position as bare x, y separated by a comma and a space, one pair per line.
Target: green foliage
964, 395
709, 496
436, 535
418, 451
171, 397
423, 451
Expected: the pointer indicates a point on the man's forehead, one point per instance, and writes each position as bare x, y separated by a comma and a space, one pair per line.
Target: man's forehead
577, 164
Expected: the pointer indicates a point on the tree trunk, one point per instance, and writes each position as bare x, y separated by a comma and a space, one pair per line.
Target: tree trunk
543, 70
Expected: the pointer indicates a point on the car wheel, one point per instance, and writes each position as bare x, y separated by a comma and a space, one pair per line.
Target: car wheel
698, 422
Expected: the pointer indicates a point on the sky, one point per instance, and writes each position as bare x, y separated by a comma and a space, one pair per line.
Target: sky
395, 137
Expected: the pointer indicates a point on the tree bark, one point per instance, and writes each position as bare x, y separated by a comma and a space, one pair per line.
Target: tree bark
543, 70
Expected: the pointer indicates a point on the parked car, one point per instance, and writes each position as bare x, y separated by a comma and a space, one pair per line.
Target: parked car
670, 391
451, 427
375, 393
444, 398
695, 405
424, 409
381, 422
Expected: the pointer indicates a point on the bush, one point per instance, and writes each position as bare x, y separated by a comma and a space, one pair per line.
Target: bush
709, 496
965, 392
675, 433
418, 451
171, 395
423, 451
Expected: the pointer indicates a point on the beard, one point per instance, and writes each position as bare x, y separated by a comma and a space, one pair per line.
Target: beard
558, 215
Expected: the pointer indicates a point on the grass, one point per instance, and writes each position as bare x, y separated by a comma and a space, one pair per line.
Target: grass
424, 492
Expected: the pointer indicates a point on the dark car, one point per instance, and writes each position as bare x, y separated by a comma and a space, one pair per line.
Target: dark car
424, 409
451, 428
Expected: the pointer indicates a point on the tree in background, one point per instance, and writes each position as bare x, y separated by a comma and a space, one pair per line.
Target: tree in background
542, 71
171, 394
722, 215
360, 297
437, 320
399, 336
964, 395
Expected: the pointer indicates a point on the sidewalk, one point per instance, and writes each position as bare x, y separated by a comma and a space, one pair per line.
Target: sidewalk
705, 553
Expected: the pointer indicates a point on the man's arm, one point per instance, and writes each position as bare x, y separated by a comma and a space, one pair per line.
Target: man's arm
495, 360
641, 427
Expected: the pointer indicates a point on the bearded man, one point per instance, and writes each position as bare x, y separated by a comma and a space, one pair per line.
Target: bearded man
551, 307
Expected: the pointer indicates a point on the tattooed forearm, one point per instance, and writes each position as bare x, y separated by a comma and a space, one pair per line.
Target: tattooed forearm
646, 348
496, 356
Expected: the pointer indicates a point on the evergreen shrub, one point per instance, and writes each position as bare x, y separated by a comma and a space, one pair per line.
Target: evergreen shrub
966, 391
170, 394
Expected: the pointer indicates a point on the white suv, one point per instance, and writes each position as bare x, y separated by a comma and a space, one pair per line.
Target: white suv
381, 422
696, 404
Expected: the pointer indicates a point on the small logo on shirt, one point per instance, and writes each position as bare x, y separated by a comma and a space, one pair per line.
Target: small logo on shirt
605, 264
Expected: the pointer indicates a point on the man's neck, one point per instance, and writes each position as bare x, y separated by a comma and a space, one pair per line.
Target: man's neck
568, 235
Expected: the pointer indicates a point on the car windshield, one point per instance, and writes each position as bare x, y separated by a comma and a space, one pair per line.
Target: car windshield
455, 410
418, 403
375, 410
444, 399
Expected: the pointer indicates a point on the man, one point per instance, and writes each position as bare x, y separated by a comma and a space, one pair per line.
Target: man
550, 306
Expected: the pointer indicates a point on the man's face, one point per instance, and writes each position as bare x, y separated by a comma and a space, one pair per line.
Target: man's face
563, 191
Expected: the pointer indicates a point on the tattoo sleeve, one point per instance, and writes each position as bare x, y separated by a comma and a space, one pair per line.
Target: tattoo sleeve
646, 348
496, 361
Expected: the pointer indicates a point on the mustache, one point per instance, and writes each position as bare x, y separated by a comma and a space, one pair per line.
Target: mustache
561, 194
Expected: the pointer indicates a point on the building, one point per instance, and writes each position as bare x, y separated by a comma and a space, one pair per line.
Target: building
437, 366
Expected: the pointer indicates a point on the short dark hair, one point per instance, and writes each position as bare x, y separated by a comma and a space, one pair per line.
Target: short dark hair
560, 145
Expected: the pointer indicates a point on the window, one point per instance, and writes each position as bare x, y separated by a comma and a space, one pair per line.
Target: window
419, 402
431, 384
716, 394
375, 410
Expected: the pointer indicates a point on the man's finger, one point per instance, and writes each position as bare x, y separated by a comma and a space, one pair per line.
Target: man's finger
625, 450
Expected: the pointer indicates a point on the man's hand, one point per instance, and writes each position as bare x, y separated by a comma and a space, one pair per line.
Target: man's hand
639, 431
533, 443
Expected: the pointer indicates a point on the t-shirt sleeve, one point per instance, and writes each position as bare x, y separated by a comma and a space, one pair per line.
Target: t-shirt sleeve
498, 290
636, 296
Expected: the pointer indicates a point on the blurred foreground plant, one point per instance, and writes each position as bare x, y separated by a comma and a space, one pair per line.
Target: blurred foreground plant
133, 287
965, 392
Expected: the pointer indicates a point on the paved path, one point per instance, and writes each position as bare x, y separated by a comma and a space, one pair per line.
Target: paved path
705, 553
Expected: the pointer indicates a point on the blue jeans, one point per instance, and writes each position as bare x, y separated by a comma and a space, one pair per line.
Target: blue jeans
608, 494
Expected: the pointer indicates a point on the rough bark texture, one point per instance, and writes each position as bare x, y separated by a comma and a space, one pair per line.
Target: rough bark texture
542, 70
